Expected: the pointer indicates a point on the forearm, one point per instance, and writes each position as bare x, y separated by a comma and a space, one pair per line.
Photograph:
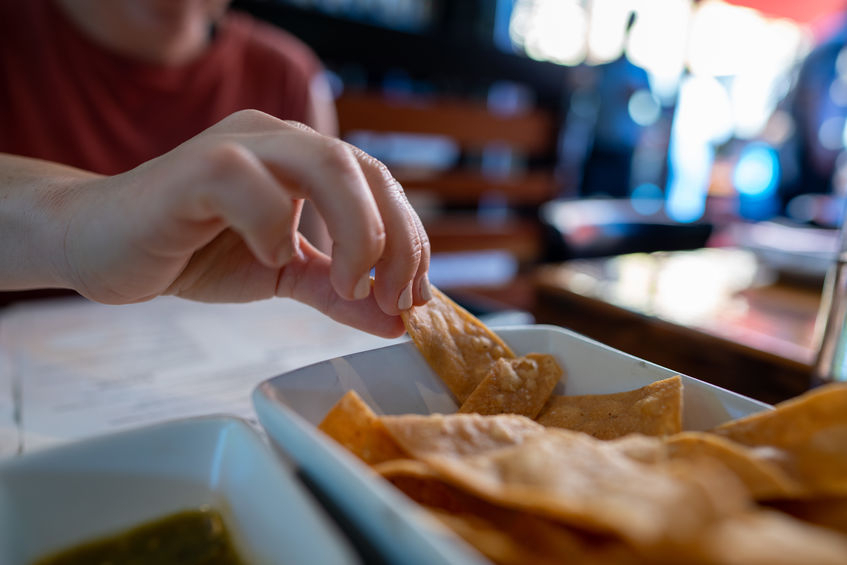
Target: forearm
34, 216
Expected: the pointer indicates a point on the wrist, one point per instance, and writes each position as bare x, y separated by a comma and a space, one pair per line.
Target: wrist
36, 208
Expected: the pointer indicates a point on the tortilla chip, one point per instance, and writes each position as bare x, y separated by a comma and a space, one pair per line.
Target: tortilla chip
763, 477
829, 512
467, 515
354, 425
811, 429
517, 538
571, 477
405, 468
458, 347
602, 490
494, 544
771, 538
793, 421
502, 534
655, 410
422, 483
458, 434
515, 386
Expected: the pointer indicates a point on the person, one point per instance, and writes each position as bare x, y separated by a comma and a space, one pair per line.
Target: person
607, 170
105, 85
215, 219
111, 87
809, 156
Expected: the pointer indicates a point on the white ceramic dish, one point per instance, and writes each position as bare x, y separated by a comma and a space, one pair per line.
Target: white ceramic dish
57, 498
396, 380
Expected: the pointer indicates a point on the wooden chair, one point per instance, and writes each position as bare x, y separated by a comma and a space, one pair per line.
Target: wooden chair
460, 222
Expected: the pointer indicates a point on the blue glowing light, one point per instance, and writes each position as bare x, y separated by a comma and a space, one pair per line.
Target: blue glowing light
647, 199
688, 181
757, 170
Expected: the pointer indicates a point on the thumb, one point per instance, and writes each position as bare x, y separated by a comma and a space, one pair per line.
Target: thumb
306, 278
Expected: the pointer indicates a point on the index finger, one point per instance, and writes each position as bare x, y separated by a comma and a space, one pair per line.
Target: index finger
326, 171
368, 216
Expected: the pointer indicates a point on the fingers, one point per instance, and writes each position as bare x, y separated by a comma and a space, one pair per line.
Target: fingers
367, 214
370, 221
404, 227
247, 196
306, 279
400, 278
327, 173
423, 293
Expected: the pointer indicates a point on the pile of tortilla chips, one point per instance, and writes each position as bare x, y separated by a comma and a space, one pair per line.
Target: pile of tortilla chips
529, 477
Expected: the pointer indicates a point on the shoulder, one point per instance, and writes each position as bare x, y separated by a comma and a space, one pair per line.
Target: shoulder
266, 45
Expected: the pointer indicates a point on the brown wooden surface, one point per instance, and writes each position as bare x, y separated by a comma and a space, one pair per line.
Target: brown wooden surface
770, 363
765, 352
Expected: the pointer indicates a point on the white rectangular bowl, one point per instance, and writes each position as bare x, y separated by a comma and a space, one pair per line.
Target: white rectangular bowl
397, 380
60, 497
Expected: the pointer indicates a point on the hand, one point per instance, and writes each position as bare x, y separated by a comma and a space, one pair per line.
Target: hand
216, 220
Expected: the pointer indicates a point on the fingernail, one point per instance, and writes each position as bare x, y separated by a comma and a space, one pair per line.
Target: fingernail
405, 300
423, 288
363, 287
298, 251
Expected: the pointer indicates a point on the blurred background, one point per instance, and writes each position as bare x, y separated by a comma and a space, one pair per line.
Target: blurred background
666, 176
693, 111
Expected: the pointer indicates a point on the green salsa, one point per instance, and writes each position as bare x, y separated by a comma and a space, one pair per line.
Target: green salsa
193, 537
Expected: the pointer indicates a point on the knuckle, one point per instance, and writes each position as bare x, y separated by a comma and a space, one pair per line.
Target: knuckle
225, 158
369, 244
250, 117
336, 155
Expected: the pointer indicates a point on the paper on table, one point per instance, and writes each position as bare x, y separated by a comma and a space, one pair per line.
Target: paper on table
86, 368
9, 436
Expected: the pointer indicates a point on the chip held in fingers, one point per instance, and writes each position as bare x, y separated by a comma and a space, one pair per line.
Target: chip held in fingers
458, 347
